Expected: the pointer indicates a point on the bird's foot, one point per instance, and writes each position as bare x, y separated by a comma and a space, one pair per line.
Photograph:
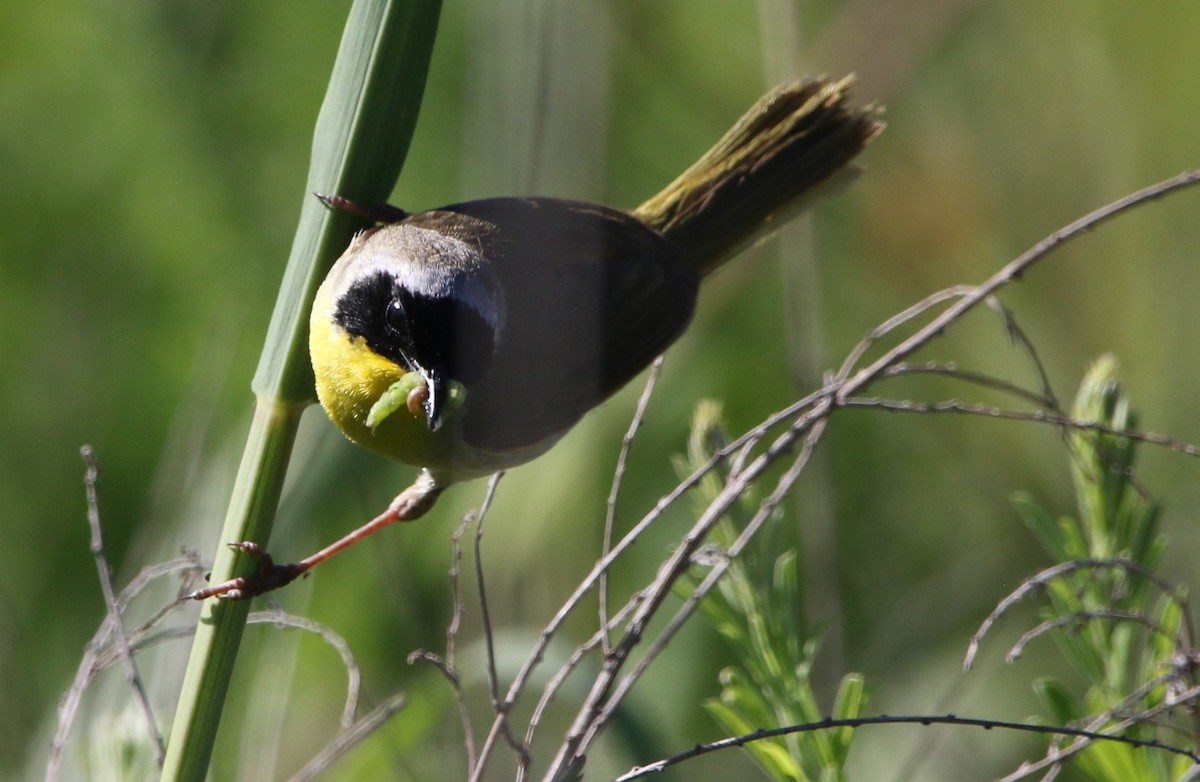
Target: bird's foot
268, 576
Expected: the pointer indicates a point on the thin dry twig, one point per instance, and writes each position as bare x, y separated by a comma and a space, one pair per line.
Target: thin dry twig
980, 379
1076, 619
567, 668
350, 738
766, 509
97, 657
896, 321
853, 384
1037, 581
1018, 335
187, 565
1033, 416
610, 515
486, 616
101, 655
589, 582
1085, 737
602, 699
489, 635
353, 673
447, 663
104, 571
885, 719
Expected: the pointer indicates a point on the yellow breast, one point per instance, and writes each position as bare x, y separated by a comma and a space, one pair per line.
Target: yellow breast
350, 378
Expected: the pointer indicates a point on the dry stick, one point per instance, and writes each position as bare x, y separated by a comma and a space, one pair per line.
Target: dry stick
598, 705
1006, 275
1021, 338
981, 379
350, 738
486, 616
898, 320
68, 706
1034, 416
145, 637
459, 605
98, 657
1018, 335
488, 633
740, 446
567, 668
188, 564
92, 476
353, 672
589, 582
1086, 736
885, 719
1038, 580
95, 659
766, 509
1076, 618
610, 515
446, 664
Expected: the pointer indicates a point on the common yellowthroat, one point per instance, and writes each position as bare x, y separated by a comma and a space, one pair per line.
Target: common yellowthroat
469, 339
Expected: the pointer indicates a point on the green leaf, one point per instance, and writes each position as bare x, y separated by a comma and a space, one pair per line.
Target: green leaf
846, 706
1044, 528
1063, 706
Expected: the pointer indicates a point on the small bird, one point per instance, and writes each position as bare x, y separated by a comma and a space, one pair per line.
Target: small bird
468, 339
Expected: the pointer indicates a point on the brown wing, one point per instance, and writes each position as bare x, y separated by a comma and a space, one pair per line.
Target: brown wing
591, 297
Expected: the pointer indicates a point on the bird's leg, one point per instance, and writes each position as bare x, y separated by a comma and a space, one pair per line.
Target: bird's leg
385, 213
410, 504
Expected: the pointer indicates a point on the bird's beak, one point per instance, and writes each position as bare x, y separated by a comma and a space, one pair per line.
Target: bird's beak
435, 382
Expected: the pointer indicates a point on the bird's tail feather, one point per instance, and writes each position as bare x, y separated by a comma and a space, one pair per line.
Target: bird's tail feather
793, 146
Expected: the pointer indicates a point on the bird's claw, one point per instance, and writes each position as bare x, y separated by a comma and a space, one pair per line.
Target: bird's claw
267, 577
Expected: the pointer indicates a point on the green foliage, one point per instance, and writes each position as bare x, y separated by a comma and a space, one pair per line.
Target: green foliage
755, 608
1114, 620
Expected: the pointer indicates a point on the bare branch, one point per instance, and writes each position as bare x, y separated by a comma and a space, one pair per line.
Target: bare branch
718, 569
110, 601
1011, 272
1087, 736
446, 663
610, 515
1039, 580
898, 320
486, 616
501, 724
1078, 618
1035, 416
594, 710
980, 379
859, 722
1018, 335
577, 656
353, 672
350, 738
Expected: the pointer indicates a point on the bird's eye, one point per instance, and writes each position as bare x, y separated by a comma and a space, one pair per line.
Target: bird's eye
395, 316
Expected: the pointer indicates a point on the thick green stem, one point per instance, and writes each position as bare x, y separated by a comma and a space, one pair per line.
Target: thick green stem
361, 139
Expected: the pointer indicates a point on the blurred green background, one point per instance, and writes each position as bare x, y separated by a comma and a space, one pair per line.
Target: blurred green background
153, 157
